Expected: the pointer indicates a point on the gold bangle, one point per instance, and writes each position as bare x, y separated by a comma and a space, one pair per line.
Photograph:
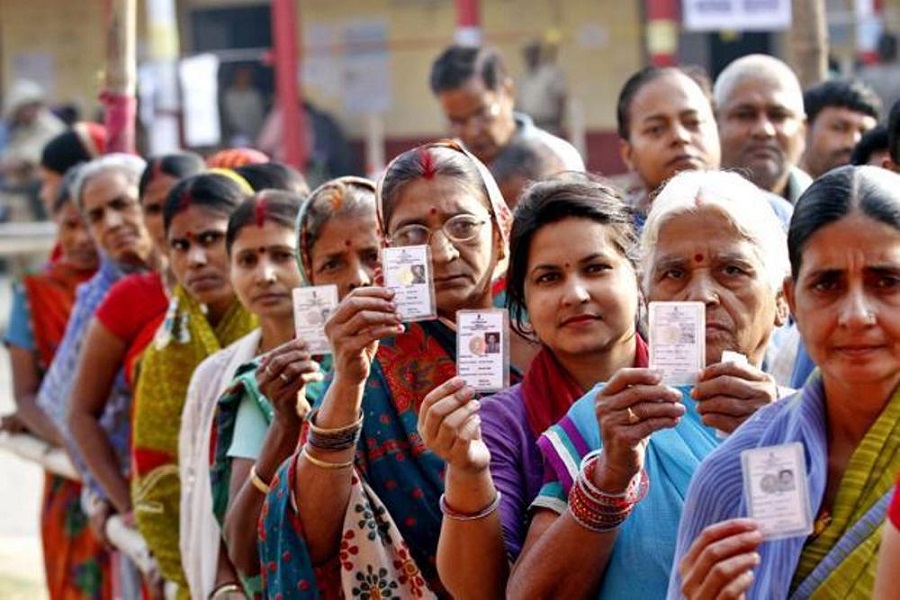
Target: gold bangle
323, 464
257, 481
311, 419
224, 589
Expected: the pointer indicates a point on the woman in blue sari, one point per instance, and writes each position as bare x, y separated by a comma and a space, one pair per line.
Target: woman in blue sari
355, 511
596, 529
844, 292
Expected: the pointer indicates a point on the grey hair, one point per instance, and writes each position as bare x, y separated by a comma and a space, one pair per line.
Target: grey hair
742, 203
760, 66
127, 164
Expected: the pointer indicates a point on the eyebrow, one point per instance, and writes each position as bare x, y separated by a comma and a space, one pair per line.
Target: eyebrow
581, 261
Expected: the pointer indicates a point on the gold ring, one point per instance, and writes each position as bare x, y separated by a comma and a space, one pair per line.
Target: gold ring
632, 417
268, 369
284, 378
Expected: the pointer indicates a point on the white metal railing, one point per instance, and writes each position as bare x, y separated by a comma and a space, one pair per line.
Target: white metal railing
32, 237
126, 539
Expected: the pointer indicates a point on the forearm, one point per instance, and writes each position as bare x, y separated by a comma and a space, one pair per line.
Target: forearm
567, 561
322, 494
98, 454
240, 526
471, 556
37, 420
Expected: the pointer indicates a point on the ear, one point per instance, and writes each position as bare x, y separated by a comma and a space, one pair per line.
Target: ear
508, 88
890, 165
625, 152
786, 302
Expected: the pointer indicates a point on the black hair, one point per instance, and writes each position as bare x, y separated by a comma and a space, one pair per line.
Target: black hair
526, 157
275, 206
211, 191
872, 191
568, 195
273, 176
841, 93
872, 141
894, 132
457, 64
64, 191
64, 152
636, 83
178, 165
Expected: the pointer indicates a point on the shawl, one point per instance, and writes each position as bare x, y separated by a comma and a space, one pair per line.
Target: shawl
642, 557
182, 342
392, 522
199, 533
51, 294
841, 562
549, 390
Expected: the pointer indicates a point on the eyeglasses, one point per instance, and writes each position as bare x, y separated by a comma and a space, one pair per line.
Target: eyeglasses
478, 119
459, 229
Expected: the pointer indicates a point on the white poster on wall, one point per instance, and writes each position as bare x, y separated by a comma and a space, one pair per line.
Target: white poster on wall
736, 15
200, 104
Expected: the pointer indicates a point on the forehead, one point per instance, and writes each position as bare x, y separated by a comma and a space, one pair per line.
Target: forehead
669, 94
106, 186
425, 200
470, 96
159, 186
195, 219
570, 239
704, 233
270, 234
854, 240
831, 114
347, 231
764, 92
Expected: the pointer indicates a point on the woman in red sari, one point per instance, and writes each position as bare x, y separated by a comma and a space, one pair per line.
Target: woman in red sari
76, 563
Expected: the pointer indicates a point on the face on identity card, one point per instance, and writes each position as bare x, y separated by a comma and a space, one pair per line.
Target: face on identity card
482, 342
776, 490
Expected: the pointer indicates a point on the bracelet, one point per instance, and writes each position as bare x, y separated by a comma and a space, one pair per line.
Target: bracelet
342, 438
596, 510
324, 464
456, 515
225, 588
257, 481
636, 490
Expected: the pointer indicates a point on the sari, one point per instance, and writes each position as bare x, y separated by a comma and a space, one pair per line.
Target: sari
642, 557
392, 523
841, 561
76, 563
182, 342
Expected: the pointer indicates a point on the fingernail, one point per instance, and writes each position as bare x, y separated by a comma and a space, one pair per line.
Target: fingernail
474, 404
392, 306
756, 560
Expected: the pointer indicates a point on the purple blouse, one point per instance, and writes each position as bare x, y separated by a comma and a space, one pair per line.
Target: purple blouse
517, 465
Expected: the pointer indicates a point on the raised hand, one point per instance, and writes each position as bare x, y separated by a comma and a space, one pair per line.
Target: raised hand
451, 428
282, 376
719, 564
729, 393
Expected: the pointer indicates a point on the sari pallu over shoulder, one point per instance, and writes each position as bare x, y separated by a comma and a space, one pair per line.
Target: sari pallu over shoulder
183, 341
841, 562
392, 522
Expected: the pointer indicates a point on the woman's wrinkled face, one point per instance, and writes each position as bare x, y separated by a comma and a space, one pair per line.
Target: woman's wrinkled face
109, 204
197, 255
263, 269
701, 257
846, 300
346, 252
581, 293
75, 241
462, 270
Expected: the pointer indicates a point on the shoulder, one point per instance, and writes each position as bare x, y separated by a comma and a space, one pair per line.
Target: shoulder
504, 412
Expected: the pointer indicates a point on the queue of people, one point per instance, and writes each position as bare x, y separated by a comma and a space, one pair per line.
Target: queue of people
158, 347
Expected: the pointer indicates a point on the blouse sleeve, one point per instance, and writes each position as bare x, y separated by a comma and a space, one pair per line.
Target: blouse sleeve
250, 429
19, 332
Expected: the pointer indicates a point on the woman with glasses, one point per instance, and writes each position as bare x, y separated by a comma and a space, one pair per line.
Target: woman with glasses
573, 284
356, 508
258, 417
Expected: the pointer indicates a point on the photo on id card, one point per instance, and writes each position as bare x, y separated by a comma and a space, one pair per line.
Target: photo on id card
677, 340
482, 342
312, 307
407, 273
776, 490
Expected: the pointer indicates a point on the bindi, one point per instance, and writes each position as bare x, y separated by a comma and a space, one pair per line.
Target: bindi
568, 265
348, 243
698, 258
433, 211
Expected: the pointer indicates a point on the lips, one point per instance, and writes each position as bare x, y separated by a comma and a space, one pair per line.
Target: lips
577, 320
271, 298
768, 152
202, 283
450, 281
686, 161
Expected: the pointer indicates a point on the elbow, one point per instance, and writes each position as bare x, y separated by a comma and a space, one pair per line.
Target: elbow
241, 549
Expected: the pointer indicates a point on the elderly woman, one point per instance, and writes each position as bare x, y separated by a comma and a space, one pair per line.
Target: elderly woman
593, 531
844, 292
359, 501
573, 283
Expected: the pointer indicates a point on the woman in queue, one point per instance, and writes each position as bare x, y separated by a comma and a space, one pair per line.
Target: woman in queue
844, 292
258, 420
596, 530
365, 488
573, 284
37, 322
203, 317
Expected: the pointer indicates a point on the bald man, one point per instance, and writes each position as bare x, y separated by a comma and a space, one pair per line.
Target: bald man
762, 125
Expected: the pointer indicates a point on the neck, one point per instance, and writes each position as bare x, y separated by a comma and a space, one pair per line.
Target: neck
853, 409
215, 312
275, 332
588, 369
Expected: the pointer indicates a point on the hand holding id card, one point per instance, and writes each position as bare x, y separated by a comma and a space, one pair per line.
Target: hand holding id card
482, 348
776, 490
312, 307
678, 340
407, 273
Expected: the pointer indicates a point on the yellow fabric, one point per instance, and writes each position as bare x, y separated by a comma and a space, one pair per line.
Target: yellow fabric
183, 341
870, 474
